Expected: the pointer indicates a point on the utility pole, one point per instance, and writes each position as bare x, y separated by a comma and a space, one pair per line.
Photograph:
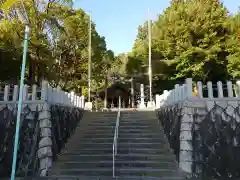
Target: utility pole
150, 55
89, 57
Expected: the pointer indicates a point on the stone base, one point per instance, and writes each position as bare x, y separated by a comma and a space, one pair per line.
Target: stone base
151, 104
88, 106
105, 110
142, 106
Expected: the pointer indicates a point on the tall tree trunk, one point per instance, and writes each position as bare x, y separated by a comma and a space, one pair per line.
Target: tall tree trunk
132, 93
31, 71
105, 97
39, 76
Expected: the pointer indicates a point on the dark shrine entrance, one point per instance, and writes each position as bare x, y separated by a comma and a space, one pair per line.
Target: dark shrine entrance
114, 92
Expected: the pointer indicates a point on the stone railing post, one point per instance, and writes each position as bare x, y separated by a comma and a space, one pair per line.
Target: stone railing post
177, 90
238, 88
220, 89
189, 89
45, 143
166, 97
6, 93
210, 89
230, 89
82, 101
199, 89
185, 154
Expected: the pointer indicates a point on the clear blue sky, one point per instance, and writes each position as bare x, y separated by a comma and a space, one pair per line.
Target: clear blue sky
118, 20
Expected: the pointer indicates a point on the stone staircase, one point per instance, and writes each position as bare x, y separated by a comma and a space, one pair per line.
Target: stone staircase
89, 151
143, 151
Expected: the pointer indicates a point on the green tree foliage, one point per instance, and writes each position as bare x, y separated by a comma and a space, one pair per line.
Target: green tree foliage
58, 45
192, 38
234, 46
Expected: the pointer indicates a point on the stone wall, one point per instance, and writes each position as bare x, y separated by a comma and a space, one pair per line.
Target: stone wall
44, 129
205, 136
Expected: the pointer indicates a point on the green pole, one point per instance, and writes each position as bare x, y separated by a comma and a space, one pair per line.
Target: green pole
16, 139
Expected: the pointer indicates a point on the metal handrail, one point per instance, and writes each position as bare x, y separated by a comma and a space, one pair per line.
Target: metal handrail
115, 138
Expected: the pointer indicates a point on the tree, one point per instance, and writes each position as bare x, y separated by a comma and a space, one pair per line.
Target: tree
190, 39
234, 46
58, 45
42, 22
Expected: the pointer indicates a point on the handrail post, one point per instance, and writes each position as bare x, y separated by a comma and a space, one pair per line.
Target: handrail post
113, 161
115, 138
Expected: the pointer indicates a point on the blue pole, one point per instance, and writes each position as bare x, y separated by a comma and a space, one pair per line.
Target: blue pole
16, 140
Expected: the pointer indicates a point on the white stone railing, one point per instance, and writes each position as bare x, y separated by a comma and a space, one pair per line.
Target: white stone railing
186, 91
10, 94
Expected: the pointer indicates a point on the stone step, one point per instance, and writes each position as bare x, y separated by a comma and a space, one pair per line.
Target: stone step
130, 145
122, 140
121, 157
166, 157
93, 145
140, 118
118, 164
141, 121
119, 172
107, 139
137, 135
129, 130
135, 130
99, 123
87, 125
123, 145
103, 171
137, 126
126, 177
143, 140
143, 116
99, 128
97, 134
92, 136
157, 172
106, 116
102, 120
139, 113
99, 114
141, 134
108, 124
99, 120
120, 151
125, 135
121, 126
121, 122
97, 131
83, 158
73, 177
